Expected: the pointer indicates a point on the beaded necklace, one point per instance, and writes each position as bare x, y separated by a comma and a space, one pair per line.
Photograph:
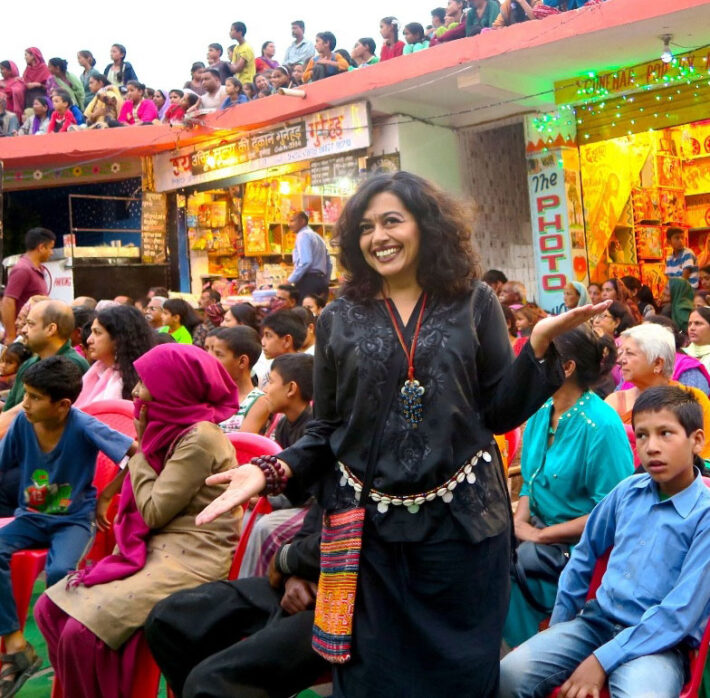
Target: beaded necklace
412, 390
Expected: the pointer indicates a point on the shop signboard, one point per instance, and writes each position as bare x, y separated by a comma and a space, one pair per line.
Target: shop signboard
330, 171
153, 227
688, 67
323, 134
60, 280
558, 226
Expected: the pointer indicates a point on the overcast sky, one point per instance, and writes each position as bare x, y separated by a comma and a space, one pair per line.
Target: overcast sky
164, 38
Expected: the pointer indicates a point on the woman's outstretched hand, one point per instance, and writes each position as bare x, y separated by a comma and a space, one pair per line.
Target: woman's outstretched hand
245, 481
553, 326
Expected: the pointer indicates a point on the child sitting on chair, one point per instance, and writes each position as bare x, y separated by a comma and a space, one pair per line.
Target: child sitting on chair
654, 598
56, 447
238, 349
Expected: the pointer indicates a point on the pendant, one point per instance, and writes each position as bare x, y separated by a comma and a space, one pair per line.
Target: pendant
412, 392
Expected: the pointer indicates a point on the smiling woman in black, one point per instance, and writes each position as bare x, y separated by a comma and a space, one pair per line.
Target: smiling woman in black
414, 374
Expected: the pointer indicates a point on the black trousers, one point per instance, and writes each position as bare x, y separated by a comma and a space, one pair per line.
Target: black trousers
428, 619
229, 639
312, 284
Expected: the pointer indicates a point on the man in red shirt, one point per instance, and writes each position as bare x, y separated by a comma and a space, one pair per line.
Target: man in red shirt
27, 278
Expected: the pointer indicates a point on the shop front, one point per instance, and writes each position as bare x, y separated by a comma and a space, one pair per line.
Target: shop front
111, 236
632, 147
236, 196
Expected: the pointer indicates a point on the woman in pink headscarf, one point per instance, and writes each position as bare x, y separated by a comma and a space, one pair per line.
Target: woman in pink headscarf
13, 87
90, 618
35, 76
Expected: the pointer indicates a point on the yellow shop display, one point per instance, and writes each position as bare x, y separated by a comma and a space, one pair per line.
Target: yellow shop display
635, 187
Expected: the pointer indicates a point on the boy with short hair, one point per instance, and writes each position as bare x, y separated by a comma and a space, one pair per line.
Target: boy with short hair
290, 391
238, 349
282, 332
654, 596
55, 445
682, 264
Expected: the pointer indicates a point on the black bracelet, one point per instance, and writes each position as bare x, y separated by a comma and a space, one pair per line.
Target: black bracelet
273, 472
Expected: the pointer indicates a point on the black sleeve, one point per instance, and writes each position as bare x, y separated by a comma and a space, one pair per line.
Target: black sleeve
301, 557
511, 392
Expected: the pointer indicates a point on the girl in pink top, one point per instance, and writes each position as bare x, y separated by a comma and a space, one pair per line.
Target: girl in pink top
389, 30
136, 109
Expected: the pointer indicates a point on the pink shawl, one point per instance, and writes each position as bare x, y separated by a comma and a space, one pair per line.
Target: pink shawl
100, 382
14, 89
187, 386
39, 72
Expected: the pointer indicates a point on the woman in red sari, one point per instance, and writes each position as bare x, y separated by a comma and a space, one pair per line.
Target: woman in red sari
35, 76
13, 87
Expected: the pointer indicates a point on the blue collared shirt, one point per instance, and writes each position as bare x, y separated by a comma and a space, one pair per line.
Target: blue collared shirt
656, 583
310, 254
299, 53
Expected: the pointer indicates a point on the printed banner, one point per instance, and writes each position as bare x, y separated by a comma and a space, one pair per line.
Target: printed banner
326, 133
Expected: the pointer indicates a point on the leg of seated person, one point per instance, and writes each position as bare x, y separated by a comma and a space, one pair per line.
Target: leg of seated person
652, 676
20, 534
548, 659
263, 528
68, 544
275, 662
192, 625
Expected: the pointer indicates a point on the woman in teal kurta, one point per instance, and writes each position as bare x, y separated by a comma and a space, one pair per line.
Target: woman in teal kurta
575, 451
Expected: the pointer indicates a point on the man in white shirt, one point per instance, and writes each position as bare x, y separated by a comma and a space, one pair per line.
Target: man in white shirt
214, 93
300, 51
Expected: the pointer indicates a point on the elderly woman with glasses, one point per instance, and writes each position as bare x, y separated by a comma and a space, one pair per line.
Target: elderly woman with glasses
647, 358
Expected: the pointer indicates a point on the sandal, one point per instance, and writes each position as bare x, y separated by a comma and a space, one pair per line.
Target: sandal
20, 666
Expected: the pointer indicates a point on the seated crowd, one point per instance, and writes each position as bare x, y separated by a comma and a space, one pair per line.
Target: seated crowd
47, 98
634, 399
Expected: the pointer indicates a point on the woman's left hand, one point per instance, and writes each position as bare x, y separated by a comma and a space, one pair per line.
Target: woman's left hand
553, 326
526, 531
140, 424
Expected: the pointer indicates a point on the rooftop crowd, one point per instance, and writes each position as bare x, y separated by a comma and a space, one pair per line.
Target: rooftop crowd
386, 558
47, 98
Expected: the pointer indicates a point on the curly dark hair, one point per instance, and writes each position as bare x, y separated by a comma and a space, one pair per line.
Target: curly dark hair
132, 336
448, 262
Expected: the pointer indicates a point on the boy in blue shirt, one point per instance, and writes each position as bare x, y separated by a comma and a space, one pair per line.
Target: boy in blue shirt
654, 597
56, 446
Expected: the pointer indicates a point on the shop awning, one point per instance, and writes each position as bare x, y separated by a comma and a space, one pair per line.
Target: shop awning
492, 76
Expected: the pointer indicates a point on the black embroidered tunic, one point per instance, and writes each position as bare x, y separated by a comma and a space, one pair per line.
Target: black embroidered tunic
473, 388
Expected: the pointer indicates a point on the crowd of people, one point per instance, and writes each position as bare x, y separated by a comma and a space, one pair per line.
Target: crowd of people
47, 98
387, 555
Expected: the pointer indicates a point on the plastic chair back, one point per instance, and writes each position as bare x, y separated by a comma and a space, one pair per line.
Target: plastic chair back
250, 446
117, 414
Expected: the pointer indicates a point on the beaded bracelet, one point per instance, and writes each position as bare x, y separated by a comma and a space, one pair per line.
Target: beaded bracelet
273, 472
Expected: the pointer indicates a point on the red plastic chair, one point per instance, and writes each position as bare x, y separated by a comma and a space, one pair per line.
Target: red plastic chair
250, 446
698, 657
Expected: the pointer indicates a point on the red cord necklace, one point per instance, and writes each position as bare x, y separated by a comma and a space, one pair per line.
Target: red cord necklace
412, 390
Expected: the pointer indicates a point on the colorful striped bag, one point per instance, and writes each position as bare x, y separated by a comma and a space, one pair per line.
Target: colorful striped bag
341, 542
